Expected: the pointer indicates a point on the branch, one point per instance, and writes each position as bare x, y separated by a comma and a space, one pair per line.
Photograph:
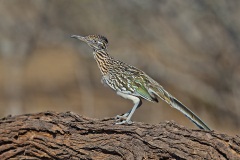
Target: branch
51, 135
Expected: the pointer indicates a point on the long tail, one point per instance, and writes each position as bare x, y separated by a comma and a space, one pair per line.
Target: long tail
172, 101
189, 114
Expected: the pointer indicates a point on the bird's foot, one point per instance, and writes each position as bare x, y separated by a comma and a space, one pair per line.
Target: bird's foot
125, 122
121, 119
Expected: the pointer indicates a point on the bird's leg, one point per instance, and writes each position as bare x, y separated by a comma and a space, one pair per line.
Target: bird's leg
126, 118
125, 115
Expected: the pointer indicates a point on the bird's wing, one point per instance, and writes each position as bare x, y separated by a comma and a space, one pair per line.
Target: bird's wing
134, 81
140, 88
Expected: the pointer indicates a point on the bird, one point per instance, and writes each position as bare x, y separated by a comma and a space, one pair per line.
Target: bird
132, 83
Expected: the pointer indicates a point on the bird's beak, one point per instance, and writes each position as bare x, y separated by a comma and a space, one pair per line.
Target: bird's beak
79, 37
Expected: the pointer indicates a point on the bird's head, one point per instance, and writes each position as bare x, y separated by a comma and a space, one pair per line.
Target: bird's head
96, 42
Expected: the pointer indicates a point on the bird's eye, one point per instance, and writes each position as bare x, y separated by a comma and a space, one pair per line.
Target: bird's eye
94, 41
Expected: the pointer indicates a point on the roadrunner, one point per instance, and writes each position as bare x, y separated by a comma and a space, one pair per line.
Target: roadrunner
132, 83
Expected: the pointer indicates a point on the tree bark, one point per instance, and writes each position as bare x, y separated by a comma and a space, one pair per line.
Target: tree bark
51, 135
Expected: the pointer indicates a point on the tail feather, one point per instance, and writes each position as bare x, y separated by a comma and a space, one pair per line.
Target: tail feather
189, 114
164, 95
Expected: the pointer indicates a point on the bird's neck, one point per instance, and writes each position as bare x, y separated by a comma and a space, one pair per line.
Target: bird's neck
103, 60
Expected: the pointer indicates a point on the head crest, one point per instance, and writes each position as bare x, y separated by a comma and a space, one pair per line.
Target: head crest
97, 37
103, 38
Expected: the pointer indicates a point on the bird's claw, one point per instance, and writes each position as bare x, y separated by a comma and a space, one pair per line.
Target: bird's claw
125, 122
122, 119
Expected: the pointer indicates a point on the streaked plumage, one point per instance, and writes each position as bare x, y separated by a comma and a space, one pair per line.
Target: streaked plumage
132, 83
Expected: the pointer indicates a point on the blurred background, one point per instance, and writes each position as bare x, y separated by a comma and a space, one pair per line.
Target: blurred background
190, 47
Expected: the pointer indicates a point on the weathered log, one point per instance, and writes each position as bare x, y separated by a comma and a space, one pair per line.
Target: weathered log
51, 135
